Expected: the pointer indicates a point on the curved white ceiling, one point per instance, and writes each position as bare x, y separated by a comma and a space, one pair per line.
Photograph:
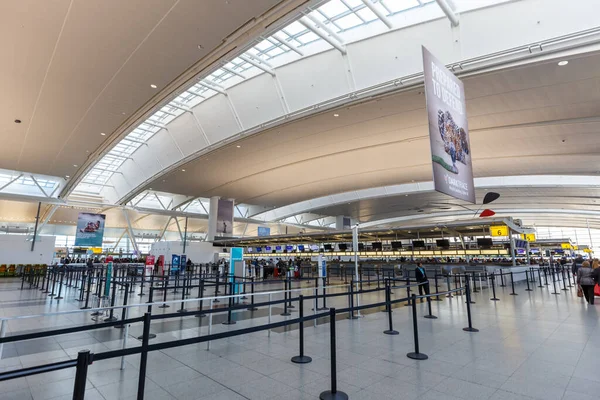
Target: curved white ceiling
333, 77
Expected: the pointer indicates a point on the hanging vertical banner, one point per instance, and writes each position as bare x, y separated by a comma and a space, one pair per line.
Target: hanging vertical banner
264, 231
90, 230
225, 217
448, 130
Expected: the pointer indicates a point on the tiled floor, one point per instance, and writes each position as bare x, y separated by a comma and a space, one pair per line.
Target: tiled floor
532, 346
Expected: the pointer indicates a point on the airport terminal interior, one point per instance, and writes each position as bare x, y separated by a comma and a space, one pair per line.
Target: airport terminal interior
300, 199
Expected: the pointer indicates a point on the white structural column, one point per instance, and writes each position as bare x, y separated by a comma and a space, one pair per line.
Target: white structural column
213, 209
130, 232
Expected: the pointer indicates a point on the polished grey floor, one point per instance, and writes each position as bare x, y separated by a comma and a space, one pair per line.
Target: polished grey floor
532, 346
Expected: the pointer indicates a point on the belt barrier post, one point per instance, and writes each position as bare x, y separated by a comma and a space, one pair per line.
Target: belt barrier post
111, 316
430, 315
124, 311
554, 284
474, 283
563, 279
512, 283
388, 306
502, 278
468, 289
210, 315
351, 301
252, 308
527, 279
87, 295
143, 357
48, 272
285, 312
316, 292
269, 320
200, 296
289, 279
229, 321
165, 288
333, 394
449, 295
437, 292
182, 309
494, 287
125, 332
84, 358
301, 359
407, 291
540, 278
141, 293
52, 294
82, 289
2, 334
470, 327
416, 355
546, 277
60, 285
324, 295
568, 276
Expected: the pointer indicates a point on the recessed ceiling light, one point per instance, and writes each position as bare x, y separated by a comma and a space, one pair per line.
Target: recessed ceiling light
149, 188
238, 146
103, 134
153, 86
563, 63
336, 115
67, 176
75, 165
406, 195
183, 170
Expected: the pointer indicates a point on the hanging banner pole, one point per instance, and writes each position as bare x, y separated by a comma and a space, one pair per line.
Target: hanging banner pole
37, 218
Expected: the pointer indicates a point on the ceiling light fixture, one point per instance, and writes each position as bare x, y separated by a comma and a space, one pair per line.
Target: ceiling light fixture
562, 63
183, 170
75, 165
67, 176
102, 133
153, 86
238, 146
336, 115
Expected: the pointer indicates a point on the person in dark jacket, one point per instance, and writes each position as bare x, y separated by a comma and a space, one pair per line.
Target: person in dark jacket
421, 276
585, 279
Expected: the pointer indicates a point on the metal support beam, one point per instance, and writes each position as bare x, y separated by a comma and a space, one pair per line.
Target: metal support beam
161, 203
216, 89
448, 11
331, 40
38, 185
179, 228
131, 234
14, 180
258, 65
288, 45
47, 217
232, 71
162, 233
378, 13
35, 230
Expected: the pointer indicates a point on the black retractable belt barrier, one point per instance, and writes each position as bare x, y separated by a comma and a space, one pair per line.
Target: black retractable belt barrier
60, 285
164, 289
437, 297
143, 357
474, 282
84, 358
324, 295
468, 289
493, 277
200, 296
554, 284
111, 317
416, 355
470, 327
569, 276
229, 320
216, 288
285, 297
527, 280
301, 359
124, 308
48, 272
563, 279
430, 315
388, 306
351, 301
512, 282
540, 278
141, 293
546, 277
333, 394
252, 308
182, 309
52, 294
502, 278
407, 291
87, 294
290, 305
449, 295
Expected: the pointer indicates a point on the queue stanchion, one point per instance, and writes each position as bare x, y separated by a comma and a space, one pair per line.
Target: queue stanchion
84, 359
229, 320
164, 289
470, 327
216, 288
60, 285
52, 294
82, 289
474, 282
540, 278
563, 279
48, 273
285, 303
324, 295
430, 315
111, 317
143, 357
87, 295
388, 309
252, 308
502, 278
289, 279
182, 309
124, 310
407, 291
512, 283
569, 276
301, 359
546, 277
416, 355
554, 285
493, 277
527, 280
468, 291
449, 295
200, 295
333, 394
437, 292
141, 293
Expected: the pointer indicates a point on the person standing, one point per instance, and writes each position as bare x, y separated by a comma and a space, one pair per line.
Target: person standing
585, 279
421, 277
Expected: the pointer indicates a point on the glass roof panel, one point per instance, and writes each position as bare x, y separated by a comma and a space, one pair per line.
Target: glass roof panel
349, 21
366, 14
399, 5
